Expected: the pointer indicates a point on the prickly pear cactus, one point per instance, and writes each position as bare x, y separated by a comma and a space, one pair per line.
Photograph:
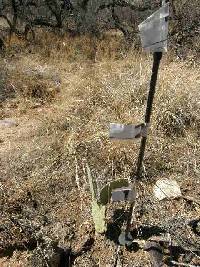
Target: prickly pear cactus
98, 214
99, 205
98, 210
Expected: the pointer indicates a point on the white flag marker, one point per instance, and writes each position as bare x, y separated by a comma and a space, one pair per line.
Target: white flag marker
154, 30
122, 131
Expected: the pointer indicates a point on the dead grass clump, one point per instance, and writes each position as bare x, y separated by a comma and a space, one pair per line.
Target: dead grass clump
176, 115
14, 44
4, 91
51, 45
185, 28
176, 123
32, 88
79, 47
32, 85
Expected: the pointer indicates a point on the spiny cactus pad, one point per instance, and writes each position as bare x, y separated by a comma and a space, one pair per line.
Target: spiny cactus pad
98, 214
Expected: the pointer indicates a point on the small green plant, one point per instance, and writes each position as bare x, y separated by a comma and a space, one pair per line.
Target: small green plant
99, 215
99, 204
98, 210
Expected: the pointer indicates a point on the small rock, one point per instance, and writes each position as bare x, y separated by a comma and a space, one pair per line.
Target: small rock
125, 240
156, 253
195, 225
165, 188
36, 105
198, 227
8, 123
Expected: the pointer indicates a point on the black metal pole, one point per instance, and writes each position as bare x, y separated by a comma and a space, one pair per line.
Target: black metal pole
157, 56
128, 225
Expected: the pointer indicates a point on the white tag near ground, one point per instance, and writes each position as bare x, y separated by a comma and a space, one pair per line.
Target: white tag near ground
154, 30
122, 131
165, 188
8, 123
123, 194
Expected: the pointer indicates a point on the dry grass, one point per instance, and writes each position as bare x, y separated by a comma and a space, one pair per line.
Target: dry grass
63, 104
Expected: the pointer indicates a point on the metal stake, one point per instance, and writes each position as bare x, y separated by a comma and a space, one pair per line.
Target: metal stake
157, 56
156, 63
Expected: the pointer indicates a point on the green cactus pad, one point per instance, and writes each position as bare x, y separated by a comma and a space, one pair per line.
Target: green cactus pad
98, 214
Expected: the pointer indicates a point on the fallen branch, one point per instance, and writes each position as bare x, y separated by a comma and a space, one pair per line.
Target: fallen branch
183, 264
122, 3
191, 199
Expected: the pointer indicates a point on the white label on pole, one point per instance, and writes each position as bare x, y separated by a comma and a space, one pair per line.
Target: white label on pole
154, 30
122, 131
123, 194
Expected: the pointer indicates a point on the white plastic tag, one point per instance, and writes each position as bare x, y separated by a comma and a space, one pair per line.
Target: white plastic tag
122, 131
154, 30
123, 194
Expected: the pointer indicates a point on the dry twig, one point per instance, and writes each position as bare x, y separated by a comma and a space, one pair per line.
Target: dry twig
182, 264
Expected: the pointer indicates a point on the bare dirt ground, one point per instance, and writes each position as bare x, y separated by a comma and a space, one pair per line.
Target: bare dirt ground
62, 109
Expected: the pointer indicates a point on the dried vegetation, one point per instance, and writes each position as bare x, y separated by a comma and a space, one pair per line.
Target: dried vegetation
63, 92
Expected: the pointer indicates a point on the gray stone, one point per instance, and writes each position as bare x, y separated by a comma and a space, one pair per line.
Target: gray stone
167, 188
125, 240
